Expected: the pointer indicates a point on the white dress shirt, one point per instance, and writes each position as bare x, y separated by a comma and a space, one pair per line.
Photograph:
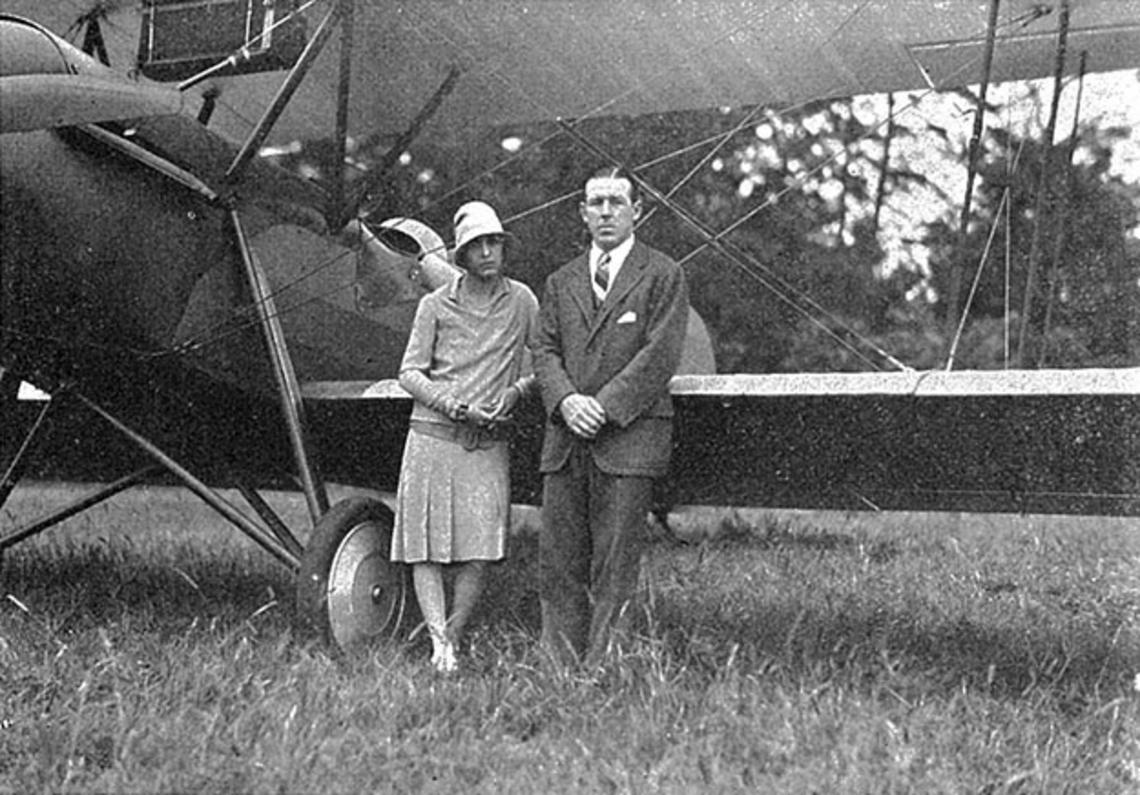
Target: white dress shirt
617, 259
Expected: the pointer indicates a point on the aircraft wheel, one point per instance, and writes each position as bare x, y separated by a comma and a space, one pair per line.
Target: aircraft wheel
348, 590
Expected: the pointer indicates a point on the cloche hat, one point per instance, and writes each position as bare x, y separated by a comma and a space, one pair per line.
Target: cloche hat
475, 219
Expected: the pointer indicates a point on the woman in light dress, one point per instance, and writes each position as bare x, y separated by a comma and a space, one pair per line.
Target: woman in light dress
466, 365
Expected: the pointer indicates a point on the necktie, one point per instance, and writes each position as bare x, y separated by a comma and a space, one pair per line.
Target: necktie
602, 273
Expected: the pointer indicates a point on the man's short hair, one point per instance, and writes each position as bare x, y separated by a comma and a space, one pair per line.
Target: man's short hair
617, 172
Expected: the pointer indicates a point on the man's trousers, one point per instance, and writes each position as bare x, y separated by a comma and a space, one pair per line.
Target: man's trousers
590, 544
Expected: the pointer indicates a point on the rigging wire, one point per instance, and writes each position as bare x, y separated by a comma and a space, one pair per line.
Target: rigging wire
742, 258
1063, 212
727, 250
1003, 206
721, 138
974, 285
199, 343
994, 24
243, 53
1039, 207
972, 154
494, 74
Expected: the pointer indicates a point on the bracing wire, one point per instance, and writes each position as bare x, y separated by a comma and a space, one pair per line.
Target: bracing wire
243, 51
974, 285
721, 139
1003, 207
734, 254
771, 285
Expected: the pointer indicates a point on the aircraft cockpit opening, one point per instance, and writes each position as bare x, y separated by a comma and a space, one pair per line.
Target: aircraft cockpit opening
179, 39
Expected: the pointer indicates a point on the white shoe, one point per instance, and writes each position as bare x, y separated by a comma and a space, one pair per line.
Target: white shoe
443, 658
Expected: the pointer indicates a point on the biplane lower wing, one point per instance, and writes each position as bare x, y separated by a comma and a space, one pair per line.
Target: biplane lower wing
1045, 441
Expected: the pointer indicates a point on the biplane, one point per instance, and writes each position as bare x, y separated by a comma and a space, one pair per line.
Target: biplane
200, 315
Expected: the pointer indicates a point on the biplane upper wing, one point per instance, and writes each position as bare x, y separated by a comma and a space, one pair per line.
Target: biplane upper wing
520, 61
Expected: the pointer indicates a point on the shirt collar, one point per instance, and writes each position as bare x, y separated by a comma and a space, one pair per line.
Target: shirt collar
617, 255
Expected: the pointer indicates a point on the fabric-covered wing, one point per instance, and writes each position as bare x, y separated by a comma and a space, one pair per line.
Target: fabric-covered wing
523, 60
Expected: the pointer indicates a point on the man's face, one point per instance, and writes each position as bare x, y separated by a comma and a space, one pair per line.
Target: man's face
608, 211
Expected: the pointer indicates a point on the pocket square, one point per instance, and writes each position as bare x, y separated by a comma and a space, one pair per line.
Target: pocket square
628, 317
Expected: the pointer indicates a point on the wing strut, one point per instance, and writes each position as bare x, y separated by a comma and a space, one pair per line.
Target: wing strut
336, 209
362, 201
16, 466
284, 94
1062, 214
1042, 185
954, 289
288, 389
204, 492
76, 507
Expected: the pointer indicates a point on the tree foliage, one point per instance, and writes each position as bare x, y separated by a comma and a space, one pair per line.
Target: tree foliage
1073, 226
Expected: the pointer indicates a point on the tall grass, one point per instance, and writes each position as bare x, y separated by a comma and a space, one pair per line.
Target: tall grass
144, 649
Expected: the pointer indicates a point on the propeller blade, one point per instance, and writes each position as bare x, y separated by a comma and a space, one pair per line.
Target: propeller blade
35, 102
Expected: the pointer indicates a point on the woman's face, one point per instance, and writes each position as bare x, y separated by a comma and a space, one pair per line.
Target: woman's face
483, 257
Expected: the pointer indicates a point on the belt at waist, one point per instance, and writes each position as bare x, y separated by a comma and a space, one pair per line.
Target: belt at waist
471, 437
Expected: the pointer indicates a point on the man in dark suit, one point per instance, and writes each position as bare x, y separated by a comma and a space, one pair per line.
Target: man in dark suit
610, 333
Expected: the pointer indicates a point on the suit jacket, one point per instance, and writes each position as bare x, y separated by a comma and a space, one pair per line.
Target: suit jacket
623, 353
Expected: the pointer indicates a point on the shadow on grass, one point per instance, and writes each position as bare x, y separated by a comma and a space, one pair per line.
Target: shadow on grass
1007, 655
830, 633
510, 595
95, 585
777, 535
990, 645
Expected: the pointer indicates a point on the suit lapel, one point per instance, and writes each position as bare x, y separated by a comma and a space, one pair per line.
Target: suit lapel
581, 293
632, 271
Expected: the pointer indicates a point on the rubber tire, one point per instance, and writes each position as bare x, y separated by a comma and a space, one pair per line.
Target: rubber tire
349, 527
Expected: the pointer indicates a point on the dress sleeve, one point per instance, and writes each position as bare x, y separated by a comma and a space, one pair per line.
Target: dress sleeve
415, 369
526, 381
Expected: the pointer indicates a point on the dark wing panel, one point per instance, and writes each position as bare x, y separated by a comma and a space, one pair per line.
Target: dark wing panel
1041, 442
1032, 442
522, 61
1026, 442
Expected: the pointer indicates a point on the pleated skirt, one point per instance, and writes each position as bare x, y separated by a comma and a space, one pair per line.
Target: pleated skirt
452, 504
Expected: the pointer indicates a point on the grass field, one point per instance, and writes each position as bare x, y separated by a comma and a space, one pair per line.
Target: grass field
144, 647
